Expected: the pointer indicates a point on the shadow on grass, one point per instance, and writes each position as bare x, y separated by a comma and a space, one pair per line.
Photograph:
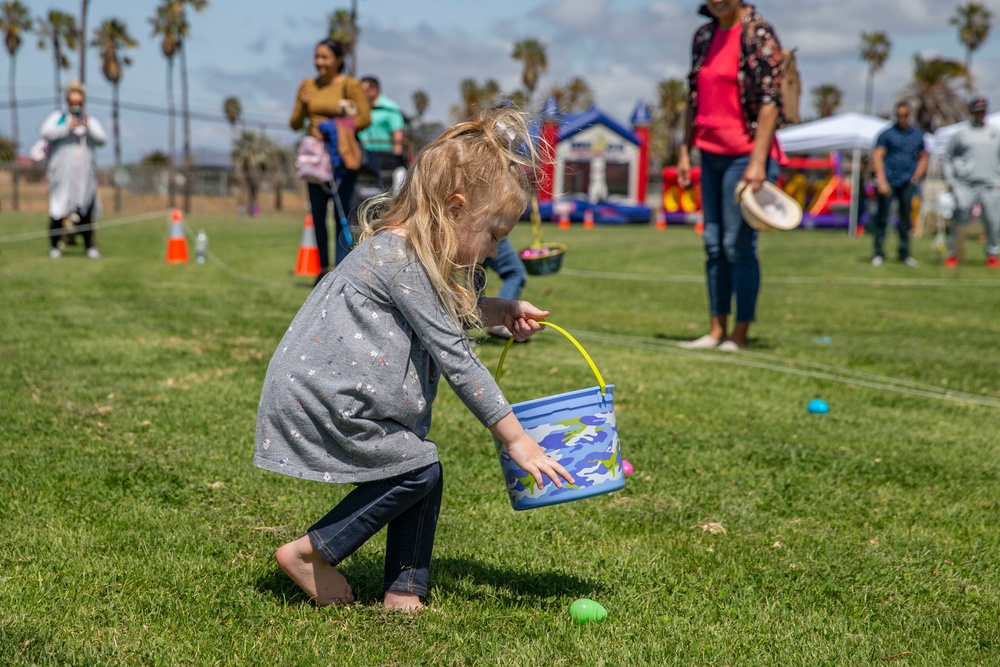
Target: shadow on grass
455, 577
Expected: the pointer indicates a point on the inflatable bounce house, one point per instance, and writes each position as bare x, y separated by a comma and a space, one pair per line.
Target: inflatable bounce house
817, 183
594, 168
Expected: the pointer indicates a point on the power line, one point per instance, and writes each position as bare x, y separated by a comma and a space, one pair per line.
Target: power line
153, 109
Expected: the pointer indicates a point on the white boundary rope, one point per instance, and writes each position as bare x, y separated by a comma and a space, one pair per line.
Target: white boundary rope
790, 280
781, 365
106, 224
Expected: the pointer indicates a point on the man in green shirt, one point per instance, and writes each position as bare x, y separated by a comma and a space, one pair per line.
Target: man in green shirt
383, 139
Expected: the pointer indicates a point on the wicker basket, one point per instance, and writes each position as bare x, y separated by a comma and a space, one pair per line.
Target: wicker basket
543, 265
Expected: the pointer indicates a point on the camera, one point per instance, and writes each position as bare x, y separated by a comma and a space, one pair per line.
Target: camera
77, 111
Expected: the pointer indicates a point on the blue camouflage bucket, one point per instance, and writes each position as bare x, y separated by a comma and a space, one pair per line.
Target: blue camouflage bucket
578, 430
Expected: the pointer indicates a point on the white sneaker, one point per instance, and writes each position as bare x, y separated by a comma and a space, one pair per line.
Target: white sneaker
706, 342
55, 253
911, 262
728, 346
93, 253
500, 331
877, 260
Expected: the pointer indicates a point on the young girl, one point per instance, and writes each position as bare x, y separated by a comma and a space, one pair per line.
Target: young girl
347, 397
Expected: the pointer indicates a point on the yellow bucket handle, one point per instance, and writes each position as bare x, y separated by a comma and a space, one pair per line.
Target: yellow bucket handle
590, 362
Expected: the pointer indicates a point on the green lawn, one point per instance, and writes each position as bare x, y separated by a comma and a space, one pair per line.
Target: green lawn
135, 530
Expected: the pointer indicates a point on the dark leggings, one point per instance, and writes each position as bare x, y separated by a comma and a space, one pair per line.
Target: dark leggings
408, 505
86, 222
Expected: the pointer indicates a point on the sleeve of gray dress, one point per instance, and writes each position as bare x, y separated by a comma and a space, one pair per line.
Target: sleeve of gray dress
413, 294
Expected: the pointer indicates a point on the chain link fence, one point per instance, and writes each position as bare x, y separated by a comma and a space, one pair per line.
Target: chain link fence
142, 188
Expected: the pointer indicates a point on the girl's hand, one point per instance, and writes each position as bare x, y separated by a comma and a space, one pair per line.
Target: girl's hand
304, 95
527, 453
521, 318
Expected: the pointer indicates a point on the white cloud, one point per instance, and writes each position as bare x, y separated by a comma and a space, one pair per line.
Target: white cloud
623, 48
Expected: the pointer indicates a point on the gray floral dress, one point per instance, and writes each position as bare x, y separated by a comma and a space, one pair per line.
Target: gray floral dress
348, 393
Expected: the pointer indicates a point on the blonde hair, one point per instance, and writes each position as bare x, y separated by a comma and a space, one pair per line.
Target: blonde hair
76, 87
489, 161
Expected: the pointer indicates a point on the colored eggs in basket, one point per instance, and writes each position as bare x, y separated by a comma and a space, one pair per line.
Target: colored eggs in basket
531, 253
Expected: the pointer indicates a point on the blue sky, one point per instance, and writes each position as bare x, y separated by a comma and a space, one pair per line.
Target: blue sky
258, 51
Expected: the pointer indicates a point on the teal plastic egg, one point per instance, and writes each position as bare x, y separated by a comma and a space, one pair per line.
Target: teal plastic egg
818, 407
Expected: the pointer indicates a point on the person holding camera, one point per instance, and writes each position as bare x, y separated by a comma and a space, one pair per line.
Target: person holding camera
72, 170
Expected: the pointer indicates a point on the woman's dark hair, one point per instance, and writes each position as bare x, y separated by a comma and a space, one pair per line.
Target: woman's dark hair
337, 48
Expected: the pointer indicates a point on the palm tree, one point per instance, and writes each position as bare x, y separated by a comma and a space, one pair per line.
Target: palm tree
671, 97
252, 155
531, 54
233, 111
475, 97
111, 38
936, 98
518, 99
575, 96
167, 24
57, 29
826, 99
14, 22
84, 4
197, 6
579, 96
281, 172
420, 103
973, 20
343, 28
875, 47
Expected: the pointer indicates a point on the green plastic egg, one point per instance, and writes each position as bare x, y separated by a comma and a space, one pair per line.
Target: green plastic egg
585, 611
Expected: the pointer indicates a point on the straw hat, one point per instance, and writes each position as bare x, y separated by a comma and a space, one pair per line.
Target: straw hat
769, 208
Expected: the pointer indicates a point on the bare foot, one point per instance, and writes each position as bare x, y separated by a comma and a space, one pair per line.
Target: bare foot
403, 601
315, 576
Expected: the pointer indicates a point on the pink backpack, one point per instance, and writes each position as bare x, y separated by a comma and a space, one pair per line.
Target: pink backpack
312, 162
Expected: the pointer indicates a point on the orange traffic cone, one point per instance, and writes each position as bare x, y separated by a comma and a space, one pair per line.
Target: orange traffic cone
308, 264
564, 219
177, 245
588, 219
699, 226
661, 220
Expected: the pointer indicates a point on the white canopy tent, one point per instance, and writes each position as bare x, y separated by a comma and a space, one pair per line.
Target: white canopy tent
845, 131
937, 143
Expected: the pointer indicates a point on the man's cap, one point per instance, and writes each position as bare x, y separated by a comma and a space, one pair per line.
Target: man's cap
978, 103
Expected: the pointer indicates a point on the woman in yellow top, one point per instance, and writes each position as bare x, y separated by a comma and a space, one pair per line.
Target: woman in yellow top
331, 93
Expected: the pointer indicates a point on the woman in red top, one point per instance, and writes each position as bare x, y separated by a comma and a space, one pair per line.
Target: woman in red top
734, 108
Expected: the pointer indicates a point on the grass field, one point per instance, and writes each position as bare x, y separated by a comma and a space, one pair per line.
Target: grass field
135, 530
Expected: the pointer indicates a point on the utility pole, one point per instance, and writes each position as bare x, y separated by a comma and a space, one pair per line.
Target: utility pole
83, 41
354, 38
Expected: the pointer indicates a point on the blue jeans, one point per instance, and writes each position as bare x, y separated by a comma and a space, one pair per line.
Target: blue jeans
904, 195
510, 268
409, 505
320, 195
730, 243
